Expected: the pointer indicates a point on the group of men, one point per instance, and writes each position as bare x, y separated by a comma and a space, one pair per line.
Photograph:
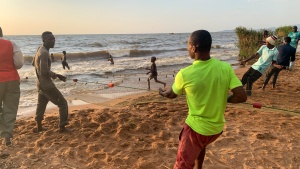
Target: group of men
271, 60
205, 83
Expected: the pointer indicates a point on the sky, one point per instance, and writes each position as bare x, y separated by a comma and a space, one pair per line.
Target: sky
32, 17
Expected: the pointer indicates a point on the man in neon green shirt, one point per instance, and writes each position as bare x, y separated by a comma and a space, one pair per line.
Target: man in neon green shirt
206, 83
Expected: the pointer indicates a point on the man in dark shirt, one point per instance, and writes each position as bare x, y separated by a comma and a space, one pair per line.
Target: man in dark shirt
285, 53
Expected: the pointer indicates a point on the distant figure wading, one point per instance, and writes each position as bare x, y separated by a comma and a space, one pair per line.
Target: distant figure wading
64, 60
110, 58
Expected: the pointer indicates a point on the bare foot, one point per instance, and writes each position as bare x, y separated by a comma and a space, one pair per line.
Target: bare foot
38, 129
63, 129
7, 141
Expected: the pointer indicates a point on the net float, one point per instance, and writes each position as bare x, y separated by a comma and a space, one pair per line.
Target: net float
257, 105
110, 85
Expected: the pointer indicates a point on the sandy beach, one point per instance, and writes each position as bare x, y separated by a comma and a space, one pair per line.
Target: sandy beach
141, 131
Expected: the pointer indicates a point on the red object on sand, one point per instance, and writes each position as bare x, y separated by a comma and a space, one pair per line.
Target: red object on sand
75, 80
110, 85
257, 105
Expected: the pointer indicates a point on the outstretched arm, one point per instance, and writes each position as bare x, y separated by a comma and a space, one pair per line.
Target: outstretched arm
61, 77
250, 58
239, 95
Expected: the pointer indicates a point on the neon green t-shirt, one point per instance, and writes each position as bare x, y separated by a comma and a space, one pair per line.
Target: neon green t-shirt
206, 84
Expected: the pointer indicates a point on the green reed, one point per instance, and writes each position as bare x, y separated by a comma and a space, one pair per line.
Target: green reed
283, 31
249, 41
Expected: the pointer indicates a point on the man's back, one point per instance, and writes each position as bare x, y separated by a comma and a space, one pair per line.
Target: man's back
285, 53
8, 71
206, 84
6, 54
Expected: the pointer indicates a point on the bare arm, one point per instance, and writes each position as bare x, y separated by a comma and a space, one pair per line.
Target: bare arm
168, 93
252, 57
239, 95
44, 66
18, 56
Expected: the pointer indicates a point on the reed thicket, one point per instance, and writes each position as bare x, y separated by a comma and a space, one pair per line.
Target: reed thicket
249, 41
283, 31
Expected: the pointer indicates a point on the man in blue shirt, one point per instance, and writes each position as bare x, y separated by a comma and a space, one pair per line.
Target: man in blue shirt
268, 54
285, 53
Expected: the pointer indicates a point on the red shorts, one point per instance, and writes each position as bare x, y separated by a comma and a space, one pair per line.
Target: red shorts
191, 144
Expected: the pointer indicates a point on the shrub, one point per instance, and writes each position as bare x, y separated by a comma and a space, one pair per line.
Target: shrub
283, 31
249, 41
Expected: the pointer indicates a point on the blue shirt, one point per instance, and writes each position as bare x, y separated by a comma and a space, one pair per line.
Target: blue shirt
285, 52
266, 57
294, 37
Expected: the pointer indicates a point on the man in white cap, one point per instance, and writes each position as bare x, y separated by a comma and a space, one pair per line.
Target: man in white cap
268, 54
295, 37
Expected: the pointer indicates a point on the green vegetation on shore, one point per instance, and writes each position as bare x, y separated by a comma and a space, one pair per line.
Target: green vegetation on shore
283, 31
249, 40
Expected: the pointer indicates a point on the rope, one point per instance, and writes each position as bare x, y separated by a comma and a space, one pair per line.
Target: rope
86, 82
274, 108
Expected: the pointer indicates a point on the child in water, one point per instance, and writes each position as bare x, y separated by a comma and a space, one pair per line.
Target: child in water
64, 60
111, 60
153, 73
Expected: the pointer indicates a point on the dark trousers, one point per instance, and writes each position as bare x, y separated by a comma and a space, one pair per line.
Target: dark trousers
55, 96
250, 77
272, 71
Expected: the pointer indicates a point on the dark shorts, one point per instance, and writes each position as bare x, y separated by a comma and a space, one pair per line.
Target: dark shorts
191, 144
152, 76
